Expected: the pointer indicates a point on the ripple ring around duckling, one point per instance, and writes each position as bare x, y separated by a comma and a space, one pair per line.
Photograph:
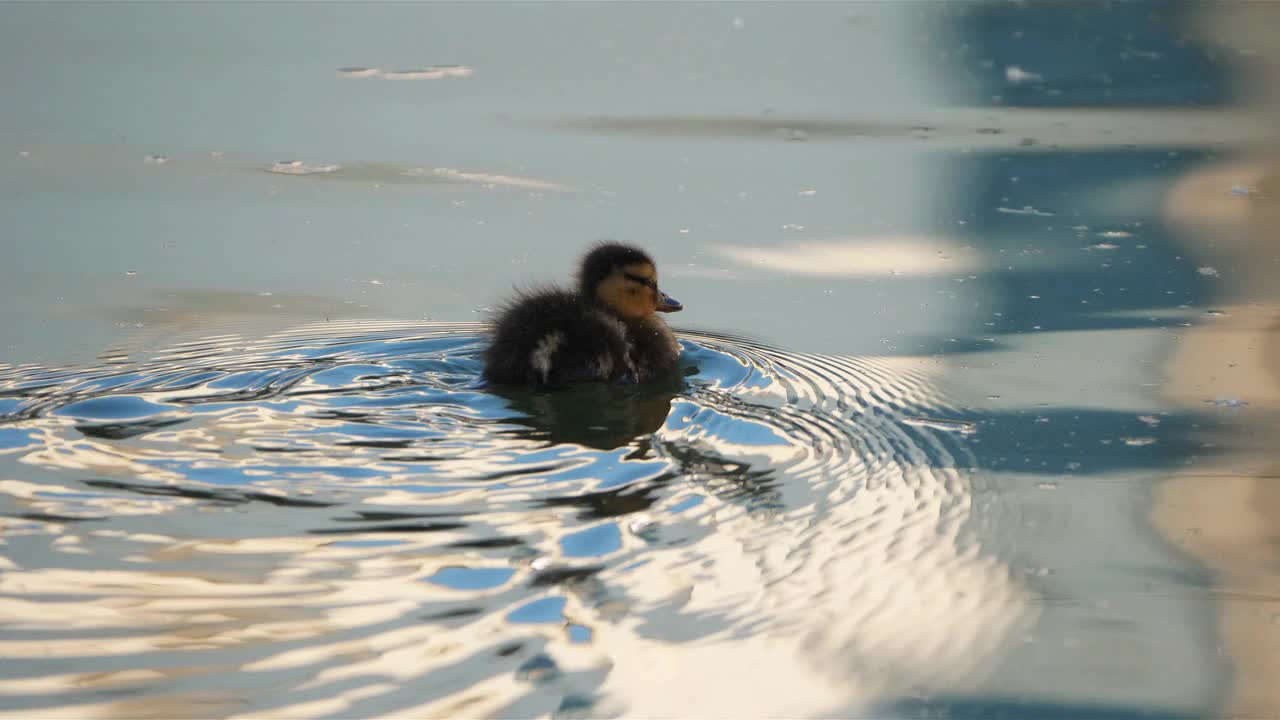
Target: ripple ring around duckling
792, 523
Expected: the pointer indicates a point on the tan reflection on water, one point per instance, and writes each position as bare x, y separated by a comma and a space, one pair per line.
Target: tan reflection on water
1225, 512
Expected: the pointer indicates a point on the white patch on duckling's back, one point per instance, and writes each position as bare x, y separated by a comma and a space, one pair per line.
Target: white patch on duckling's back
604, 364
540, 358
604, 367
614, 324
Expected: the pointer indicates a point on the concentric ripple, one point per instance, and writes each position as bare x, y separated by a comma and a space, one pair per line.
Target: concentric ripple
344, 519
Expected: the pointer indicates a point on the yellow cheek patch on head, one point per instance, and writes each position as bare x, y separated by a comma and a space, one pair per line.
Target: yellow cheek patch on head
641, 270
631, 290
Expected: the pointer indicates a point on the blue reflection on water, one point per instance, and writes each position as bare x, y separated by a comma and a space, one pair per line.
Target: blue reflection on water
115, 407
544, 610
472, 578
14, 438
592, 542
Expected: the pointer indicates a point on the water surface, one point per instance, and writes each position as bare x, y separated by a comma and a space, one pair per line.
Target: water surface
977, 389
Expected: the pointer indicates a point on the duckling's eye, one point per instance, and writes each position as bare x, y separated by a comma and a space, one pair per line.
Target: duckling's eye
647, 282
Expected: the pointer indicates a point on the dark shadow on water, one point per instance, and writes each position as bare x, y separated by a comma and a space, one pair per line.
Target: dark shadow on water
381, 516
226, 497
1083, 441
613, 503
594, 415
558, 575
124, 430
1084, 53
755, 487
52, 518
422, 527
1101, 257
1008, 709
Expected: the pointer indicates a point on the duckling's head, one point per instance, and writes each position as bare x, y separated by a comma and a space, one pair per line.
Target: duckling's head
624, 280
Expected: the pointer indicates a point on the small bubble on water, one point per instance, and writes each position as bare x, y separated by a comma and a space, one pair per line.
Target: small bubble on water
642, 526
1228, 402
1018, 75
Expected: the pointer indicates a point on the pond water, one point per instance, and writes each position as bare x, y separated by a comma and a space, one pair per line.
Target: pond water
978, 391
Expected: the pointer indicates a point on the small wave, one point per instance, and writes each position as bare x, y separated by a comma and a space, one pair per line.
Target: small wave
348, 514
298, 167
433, 72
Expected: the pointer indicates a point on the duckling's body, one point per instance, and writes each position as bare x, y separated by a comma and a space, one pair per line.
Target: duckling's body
608, 330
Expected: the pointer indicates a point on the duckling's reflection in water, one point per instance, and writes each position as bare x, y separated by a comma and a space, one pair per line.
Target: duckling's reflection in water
601, 416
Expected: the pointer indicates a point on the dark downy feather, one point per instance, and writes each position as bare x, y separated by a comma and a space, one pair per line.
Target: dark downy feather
601, 259
551, 337
586, 335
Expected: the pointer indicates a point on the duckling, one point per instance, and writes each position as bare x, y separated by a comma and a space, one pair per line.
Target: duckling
608, 330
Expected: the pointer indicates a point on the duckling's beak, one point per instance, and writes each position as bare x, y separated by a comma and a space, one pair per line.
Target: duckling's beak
666, 303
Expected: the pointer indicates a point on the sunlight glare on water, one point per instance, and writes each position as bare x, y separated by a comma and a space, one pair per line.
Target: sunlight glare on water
354, 490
